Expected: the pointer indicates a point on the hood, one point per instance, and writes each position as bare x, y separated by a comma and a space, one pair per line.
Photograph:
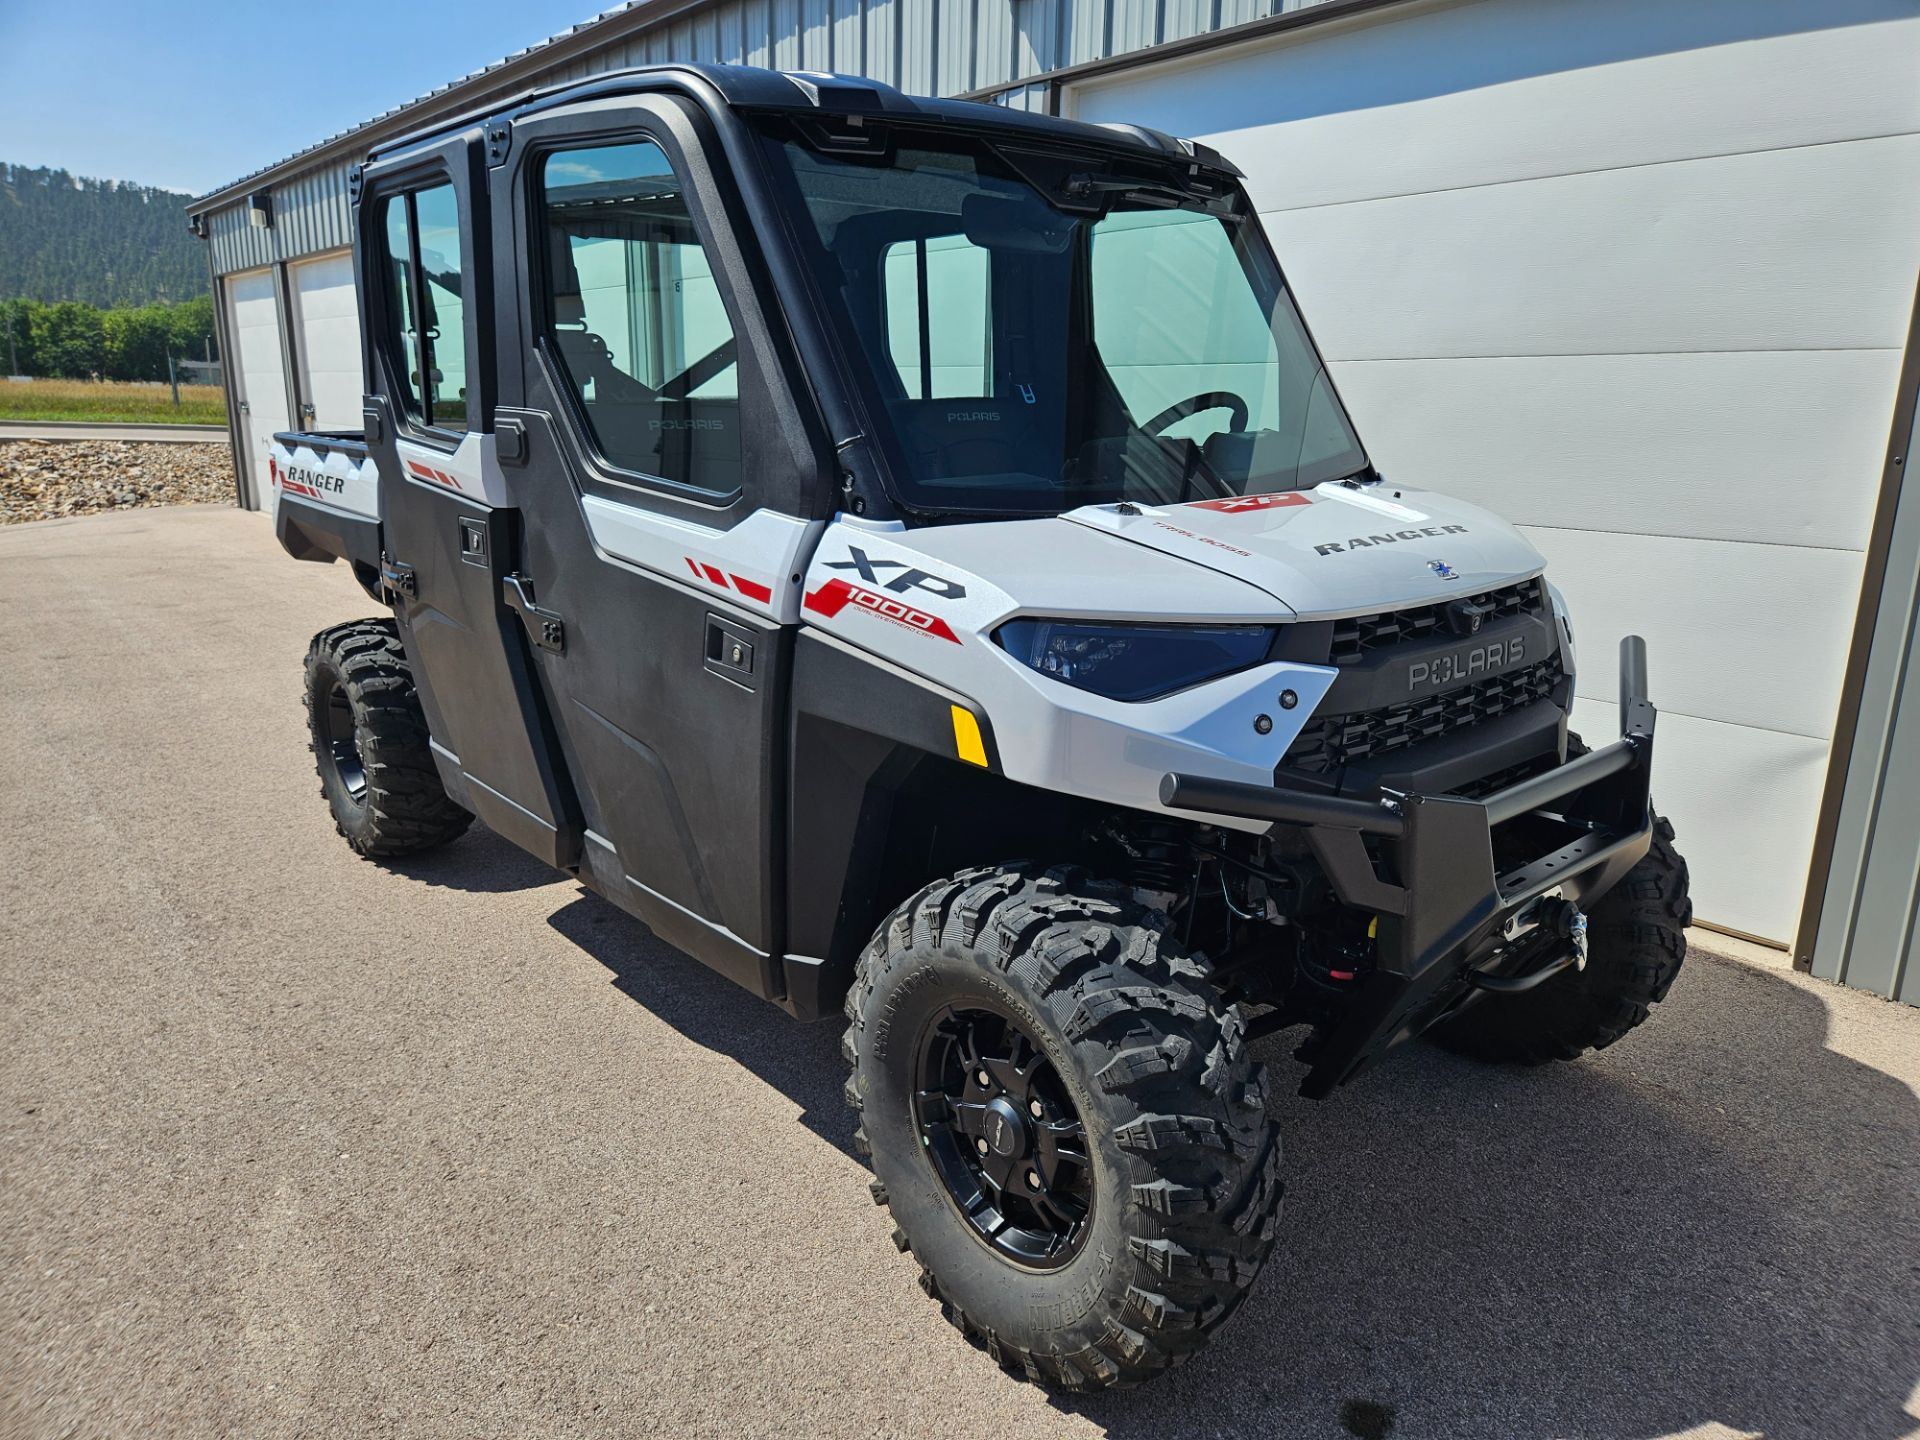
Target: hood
1335, 549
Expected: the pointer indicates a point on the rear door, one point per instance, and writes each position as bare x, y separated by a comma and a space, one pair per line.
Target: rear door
449, 533
669, 476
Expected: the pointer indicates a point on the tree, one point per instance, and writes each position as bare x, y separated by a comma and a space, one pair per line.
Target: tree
135, 342
192, 329
69, 340
16, 324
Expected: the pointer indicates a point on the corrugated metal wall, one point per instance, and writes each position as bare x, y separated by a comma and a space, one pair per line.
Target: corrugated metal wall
311, 213
926, 47
1869, 928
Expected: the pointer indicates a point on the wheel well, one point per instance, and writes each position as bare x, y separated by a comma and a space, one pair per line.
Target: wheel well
874, 819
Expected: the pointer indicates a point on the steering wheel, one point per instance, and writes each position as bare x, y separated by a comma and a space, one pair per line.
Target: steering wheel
1207, 400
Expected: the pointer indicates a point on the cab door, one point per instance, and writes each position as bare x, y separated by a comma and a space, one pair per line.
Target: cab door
448, 531
669, 475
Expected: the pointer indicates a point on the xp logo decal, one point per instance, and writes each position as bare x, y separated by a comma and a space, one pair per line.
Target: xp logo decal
908, 579
1443, 570
1240, 504
836, 595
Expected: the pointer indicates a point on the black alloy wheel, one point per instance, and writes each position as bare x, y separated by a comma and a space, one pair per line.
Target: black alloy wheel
343, 745
998, 1127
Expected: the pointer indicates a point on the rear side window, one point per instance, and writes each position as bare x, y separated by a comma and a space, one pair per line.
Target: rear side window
939, 316
426, 321
635, 319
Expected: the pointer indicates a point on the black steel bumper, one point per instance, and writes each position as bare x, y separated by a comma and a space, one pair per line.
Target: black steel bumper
1442, 905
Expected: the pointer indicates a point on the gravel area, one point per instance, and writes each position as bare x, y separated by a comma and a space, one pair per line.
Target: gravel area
47, 479
294, 1144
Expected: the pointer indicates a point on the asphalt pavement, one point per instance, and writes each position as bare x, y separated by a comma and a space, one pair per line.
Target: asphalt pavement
296, 1144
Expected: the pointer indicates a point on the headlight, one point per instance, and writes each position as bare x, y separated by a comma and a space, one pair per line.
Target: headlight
1133, 662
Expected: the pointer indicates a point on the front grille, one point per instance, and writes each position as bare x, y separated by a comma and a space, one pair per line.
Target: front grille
1337, 740
1359, 636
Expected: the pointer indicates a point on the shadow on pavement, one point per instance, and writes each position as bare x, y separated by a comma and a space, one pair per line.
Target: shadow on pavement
479, 862
801, 1061
1718, 1221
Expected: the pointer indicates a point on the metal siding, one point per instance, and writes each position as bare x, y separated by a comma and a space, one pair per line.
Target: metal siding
1867, 936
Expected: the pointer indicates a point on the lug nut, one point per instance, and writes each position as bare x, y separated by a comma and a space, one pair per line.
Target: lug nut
981, 1146
1033, 1179
983, 1077
1034, 1109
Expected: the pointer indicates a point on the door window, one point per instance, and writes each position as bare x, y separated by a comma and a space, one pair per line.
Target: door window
635, 319
425, 331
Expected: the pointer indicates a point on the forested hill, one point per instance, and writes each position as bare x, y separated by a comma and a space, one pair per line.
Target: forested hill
103, 242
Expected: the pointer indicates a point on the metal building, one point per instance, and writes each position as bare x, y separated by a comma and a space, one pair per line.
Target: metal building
1637, 275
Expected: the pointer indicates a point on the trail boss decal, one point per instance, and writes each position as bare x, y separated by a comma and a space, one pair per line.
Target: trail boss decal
1367, 542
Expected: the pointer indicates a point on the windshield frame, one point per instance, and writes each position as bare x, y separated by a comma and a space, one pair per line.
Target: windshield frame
1213, 191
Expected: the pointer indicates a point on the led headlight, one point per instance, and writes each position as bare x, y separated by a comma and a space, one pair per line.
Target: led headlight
1133, 662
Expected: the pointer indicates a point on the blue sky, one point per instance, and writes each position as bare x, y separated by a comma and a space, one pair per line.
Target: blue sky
191, 95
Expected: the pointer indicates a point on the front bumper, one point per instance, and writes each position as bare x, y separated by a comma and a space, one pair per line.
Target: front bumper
1442, 904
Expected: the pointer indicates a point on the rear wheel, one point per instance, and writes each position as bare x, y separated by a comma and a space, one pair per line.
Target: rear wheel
370, 743
1063, 1118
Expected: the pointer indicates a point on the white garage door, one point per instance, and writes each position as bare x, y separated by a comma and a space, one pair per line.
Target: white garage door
254, 326
1636, 275
326, 329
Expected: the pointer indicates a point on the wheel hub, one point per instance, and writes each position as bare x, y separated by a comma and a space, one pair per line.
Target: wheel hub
1002, 1134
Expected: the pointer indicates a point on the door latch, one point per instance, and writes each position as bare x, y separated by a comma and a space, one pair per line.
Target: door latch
548, 630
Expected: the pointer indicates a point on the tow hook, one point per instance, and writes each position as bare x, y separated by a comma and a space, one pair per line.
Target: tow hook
1555, 916
1559, 916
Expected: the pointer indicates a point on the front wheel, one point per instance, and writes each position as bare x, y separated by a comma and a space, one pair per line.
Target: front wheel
1063, 1118
1636, 939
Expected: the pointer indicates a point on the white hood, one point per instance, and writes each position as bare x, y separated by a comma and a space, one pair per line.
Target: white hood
1336, 549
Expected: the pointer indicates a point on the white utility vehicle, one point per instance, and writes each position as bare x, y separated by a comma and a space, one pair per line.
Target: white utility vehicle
910, 554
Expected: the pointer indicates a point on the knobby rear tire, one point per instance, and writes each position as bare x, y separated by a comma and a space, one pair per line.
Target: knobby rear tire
401, 807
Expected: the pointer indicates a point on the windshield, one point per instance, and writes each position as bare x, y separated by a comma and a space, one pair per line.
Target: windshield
1032, 358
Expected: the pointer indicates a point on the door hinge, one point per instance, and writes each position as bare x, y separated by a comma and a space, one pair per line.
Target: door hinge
399, 577
548, 630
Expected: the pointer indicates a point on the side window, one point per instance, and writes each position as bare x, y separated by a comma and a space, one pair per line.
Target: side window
635, 319
939, 316
425, 335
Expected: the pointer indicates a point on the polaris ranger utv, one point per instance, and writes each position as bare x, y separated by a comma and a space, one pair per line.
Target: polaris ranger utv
911, 555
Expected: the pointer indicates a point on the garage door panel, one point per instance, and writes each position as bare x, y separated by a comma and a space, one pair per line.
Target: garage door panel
1744, 633
1701, 445
1742, 802
1793, 249
327, 327
1567, 100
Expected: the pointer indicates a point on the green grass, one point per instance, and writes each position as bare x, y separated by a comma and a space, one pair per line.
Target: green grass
111, 402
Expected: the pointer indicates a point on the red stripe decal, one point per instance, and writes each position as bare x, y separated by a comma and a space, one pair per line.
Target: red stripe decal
834, 596
693, 565
1239, 504
752, 589
714, 575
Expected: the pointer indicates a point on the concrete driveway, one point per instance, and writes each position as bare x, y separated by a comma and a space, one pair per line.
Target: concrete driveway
295, 1144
